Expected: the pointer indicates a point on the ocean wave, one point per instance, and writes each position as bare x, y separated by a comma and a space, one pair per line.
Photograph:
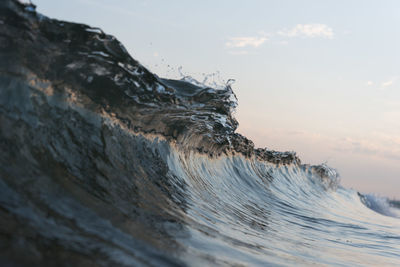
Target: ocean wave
380, 204
105, 163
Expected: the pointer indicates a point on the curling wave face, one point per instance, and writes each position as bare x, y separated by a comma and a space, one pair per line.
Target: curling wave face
104, 163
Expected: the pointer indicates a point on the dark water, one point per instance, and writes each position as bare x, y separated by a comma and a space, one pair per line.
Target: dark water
103, 163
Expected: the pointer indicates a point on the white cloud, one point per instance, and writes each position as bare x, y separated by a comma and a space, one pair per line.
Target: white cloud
300, 30
388, 83
238, 42
308, 30
369, 83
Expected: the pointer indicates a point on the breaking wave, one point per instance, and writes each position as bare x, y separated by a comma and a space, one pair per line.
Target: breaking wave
105, 163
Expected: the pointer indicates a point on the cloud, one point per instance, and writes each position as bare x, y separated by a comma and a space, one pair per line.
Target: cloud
300, 30
308, 30
240, 42
388, 83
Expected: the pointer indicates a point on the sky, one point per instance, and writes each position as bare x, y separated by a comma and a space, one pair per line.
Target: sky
321, 78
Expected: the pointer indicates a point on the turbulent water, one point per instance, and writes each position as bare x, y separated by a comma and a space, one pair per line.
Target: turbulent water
103, 163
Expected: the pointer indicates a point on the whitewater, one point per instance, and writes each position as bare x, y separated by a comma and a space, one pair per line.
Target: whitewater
103, 163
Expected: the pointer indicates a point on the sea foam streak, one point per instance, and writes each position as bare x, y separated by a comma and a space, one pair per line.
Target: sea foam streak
104, 163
